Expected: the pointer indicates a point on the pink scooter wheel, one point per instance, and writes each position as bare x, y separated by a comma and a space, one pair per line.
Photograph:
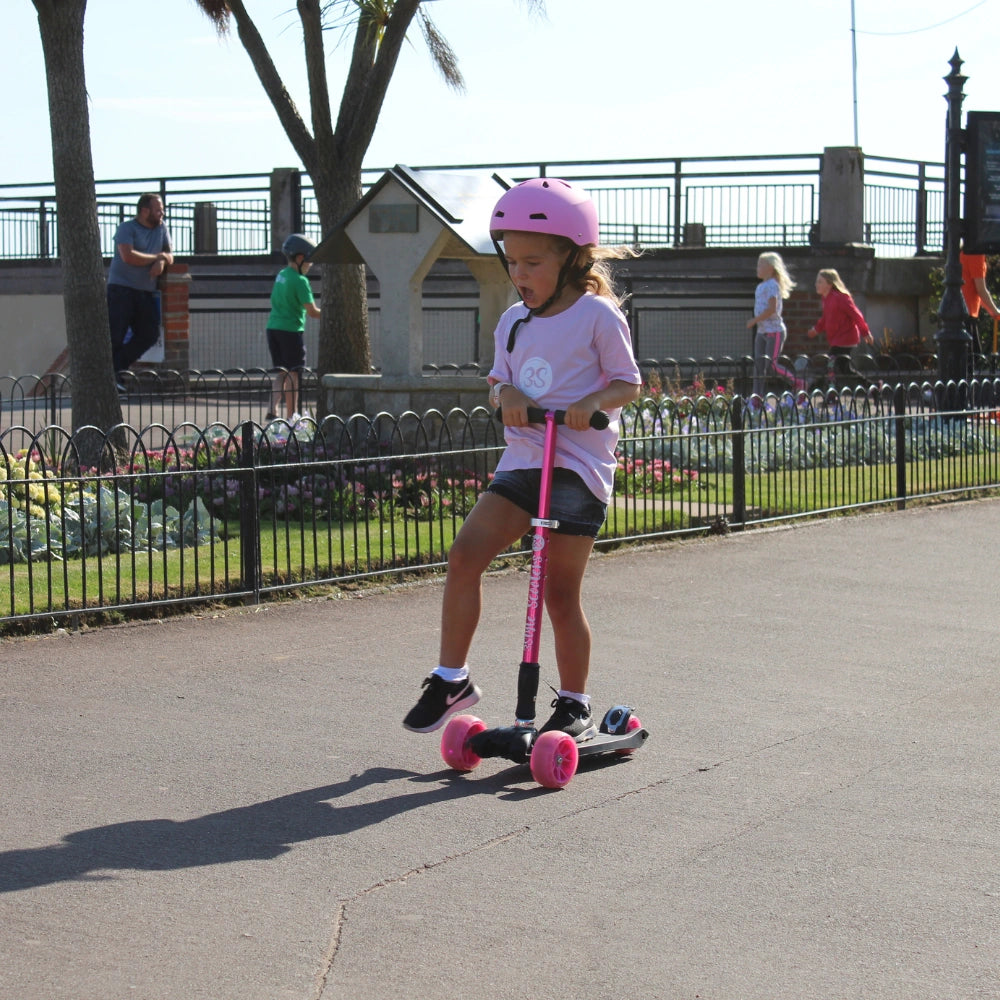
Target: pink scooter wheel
553, 759
454, 742
633, 725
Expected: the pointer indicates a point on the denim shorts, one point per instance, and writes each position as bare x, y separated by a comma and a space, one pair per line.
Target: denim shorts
576, 509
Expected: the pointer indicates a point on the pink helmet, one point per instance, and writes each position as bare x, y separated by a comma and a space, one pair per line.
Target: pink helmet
547, 205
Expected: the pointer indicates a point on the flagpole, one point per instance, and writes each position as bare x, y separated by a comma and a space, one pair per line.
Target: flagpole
854, 71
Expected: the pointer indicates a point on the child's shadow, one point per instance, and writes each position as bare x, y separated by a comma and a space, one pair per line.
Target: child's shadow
259, 831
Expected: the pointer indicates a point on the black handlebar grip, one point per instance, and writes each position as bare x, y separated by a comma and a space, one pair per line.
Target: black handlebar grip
536, 415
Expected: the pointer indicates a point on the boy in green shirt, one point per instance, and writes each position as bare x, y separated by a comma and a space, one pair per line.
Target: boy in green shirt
291, 302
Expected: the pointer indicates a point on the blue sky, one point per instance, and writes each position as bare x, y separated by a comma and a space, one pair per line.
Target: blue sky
593, 80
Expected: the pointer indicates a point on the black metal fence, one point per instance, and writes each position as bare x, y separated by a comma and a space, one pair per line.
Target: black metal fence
652, 202
217, 512
235, 395
164, 398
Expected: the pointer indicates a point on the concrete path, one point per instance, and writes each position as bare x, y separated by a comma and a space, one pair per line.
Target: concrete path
224, 806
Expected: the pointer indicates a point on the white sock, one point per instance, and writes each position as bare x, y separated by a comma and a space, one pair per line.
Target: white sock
452, 674
583, 699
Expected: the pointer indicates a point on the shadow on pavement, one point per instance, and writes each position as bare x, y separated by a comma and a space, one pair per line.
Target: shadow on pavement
256, 832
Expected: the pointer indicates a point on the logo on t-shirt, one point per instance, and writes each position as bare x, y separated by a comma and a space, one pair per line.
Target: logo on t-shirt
535, 378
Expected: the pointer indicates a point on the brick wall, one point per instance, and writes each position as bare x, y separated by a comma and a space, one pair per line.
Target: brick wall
801, 309
176, 317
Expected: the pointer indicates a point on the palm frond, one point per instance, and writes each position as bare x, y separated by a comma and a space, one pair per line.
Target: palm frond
350, 17
441, 52
218, 12
373, 16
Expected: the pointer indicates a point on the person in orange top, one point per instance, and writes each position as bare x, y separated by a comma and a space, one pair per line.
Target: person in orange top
841, 321
976, 295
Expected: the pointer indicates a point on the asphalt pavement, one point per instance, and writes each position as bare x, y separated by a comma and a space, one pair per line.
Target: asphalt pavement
225, 806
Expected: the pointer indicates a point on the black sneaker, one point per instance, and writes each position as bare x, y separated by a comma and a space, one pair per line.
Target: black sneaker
573, 717
439, 700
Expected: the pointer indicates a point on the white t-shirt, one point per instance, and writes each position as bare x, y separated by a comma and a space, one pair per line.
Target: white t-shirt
767, 290
556, 361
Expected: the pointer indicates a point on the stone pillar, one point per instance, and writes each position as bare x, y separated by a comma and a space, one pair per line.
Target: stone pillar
695, 234
842, 196
175, 287
206, 227
401, 262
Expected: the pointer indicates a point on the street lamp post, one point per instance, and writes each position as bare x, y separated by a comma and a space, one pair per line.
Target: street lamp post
953, 340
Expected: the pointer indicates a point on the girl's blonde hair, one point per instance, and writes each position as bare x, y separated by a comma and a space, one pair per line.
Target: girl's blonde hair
592, 272
781, 275
829, 275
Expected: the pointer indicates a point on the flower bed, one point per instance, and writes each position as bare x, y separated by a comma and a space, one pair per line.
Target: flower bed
199, 486
45, 517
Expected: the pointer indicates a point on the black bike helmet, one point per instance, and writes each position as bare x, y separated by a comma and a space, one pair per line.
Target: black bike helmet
296, 244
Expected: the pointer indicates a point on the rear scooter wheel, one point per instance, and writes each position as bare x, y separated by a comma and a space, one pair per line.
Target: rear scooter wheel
632, 725
455, 749
553, 759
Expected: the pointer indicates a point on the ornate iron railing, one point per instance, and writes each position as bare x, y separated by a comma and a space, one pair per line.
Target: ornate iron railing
233, 396
207, 513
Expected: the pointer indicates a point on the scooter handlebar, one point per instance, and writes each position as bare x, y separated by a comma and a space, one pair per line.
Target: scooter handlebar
536, 415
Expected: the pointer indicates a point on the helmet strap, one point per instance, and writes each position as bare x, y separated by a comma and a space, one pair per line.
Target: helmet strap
518, 323
561, 281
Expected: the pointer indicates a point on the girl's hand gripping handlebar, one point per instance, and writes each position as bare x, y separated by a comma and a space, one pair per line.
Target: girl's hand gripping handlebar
536, 415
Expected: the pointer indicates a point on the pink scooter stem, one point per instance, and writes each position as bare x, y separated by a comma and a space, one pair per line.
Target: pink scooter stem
527, 678
540, 545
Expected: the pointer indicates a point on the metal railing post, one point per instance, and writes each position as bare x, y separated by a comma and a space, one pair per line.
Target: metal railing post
43, 230
899, 410
250, 569
739, 463
677, 203
921, 209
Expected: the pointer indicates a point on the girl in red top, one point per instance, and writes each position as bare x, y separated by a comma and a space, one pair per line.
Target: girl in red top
841, 321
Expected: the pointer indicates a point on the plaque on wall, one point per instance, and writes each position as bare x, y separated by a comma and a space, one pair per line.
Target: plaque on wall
982, 182
392, 218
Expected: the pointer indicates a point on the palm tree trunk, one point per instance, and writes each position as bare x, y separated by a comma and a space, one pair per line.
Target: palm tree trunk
344, 345
95, 400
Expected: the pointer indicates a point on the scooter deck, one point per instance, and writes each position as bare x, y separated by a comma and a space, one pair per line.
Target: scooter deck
514, 743
608, 742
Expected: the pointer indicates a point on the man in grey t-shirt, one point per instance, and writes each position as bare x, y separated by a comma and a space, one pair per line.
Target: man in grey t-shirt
142, 252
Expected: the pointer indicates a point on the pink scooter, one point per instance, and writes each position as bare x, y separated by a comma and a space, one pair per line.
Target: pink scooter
553, 756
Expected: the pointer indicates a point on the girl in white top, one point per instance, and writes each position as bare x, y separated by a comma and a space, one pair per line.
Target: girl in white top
566, 345
775, 286
561, 359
